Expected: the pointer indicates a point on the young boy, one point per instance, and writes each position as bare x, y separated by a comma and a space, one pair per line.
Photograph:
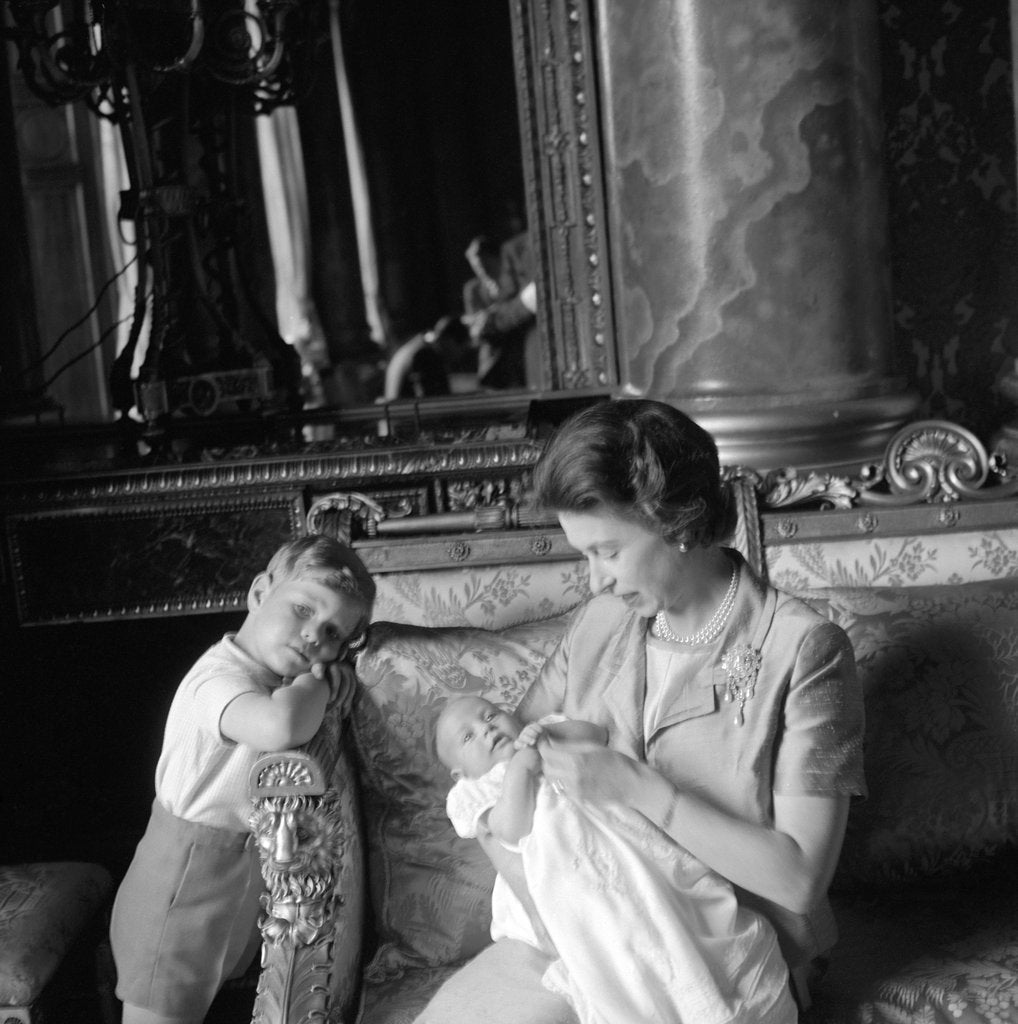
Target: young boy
185, 915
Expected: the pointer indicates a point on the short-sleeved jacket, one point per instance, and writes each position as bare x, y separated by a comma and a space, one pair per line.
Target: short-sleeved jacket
801, 730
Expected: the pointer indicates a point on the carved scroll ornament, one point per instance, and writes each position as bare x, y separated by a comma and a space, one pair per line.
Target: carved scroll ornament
926, 461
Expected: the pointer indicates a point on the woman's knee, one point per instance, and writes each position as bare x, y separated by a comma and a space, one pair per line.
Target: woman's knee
501, 985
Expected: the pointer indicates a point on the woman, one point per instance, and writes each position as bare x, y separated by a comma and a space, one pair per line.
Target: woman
733, 711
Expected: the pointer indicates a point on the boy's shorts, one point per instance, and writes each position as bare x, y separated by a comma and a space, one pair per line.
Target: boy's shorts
184, 914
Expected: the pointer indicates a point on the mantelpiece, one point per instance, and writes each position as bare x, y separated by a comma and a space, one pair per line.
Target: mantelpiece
186, 539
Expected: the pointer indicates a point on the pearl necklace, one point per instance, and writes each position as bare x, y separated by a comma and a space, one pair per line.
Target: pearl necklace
710, 631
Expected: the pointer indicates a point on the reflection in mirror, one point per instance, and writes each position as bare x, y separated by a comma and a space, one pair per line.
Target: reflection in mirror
419, 272
471, 121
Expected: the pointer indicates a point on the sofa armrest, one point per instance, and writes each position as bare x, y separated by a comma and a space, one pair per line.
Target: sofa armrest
305, 822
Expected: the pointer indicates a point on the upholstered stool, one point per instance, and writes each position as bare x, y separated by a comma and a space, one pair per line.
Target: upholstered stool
45, 909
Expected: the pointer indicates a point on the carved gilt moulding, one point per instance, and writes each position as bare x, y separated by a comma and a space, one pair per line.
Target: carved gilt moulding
554, 48
188, 539
935, 475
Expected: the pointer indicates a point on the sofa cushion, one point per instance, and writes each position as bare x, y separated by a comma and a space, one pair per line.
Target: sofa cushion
430, 890
939, 669
937, 954
43, 909
401, 1001
489, 596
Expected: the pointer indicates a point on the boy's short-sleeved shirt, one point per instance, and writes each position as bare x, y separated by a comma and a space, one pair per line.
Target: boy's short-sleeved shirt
201, 775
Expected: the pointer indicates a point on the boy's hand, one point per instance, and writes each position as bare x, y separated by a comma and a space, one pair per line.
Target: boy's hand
529, 735
342, 682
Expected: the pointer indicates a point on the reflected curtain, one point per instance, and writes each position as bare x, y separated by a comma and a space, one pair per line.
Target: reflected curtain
433, 86
359, 193
21, 335
286, 214
286, 203
115, 181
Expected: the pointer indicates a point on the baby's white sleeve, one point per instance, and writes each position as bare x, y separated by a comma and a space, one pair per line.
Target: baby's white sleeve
464, 807
470, 798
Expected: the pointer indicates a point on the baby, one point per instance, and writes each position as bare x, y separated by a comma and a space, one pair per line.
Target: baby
496, 764
641, 928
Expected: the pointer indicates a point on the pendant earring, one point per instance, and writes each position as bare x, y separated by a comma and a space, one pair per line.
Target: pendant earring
683, 546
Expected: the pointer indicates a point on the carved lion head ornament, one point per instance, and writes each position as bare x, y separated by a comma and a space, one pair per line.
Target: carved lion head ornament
298, 826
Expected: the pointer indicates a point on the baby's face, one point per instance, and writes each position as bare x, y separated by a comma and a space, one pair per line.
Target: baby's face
473, 736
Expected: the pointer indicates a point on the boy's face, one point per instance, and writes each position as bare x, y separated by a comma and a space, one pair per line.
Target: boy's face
473, 736
293, 624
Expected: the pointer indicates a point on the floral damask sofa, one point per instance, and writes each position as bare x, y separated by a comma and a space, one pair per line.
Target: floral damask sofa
376, 900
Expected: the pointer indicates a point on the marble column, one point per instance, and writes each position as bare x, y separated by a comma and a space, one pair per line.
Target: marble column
748, 222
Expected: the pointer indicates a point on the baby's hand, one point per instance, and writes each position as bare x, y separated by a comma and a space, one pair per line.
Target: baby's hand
529, 735
530, 759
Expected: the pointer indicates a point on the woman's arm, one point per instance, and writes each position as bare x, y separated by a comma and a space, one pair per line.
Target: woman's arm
790, 862
573, 730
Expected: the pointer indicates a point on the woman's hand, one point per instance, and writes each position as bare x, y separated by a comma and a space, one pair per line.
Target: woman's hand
529, 760
529, 735
591, 773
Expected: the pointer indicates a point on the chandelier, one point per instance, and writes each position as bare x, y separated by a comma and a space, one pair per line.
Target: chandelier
182, 80
85, 49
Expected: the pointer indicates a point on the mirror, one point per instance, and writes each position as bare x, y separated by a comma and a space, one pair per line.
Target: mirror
560, 124
482, 120
188, 191
411, 148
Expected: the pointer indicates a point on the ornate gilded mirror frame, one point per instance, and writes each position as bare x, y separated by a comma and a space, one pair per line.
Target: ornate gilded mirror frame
554, 48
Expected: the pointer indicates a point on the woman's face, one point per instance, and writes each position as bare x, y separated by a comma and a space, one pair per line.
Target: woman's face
626, 559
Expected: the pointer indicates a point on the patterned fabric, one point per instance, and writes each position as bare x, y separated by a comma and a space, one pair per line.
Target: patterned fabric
401, 1003
949, 117
894, 561
925, 956
430, 889
351, 883
492, 597
43, 909
939, 668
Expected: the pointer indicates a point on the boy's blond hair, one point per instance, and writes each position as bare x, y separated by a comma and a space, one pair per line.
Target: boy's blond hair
329, 561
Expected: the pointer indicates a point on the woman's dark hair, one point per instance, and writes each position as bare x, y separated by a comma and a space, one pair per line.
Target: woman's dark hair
641, 460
